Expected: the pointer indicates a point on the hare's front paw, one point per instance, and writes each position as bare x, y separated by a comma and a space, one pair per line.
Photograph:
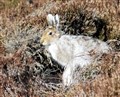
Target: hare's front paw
67, 77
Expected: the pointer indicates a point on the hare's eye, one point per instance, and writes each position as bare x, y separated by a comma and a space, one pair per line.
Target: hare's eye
50, 33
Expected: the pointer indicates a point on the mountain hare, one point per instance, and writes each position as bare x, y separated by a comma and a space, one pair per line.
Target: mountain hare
70, 51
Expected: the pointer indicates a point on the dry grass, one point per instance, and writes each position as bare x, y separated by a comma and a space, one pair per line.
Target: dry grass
25, 70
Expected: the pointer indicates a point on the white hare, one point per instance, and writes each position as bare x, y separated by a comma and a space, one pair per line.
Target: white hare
70, 51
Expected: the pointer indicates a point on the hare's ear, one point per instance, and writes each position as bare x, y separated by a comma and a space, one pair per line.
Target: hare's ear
50, 20
57, 20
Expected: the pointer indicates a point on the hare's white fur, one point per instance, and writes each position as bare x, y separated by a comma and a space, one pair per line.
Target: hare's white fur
50, 19
72, 51
53, 20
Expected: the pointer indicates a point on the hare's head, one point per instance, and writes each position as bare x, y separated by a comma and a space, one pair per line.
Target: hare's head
51, 33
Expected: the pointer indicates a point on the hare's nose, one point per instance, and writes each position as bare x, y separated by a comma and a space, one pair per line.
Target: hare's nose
41, 41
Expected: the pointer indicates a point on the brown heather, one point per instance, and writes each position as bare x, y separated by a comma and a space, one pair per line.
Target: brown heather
26, 71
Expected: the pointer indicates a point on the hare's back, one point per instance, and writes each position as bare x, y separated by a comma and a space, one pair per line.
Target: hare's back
85, 43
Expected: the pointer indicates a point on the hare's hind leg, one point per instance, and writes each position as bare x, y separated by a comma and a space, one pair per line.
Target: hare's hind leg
68, 76
70, 69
